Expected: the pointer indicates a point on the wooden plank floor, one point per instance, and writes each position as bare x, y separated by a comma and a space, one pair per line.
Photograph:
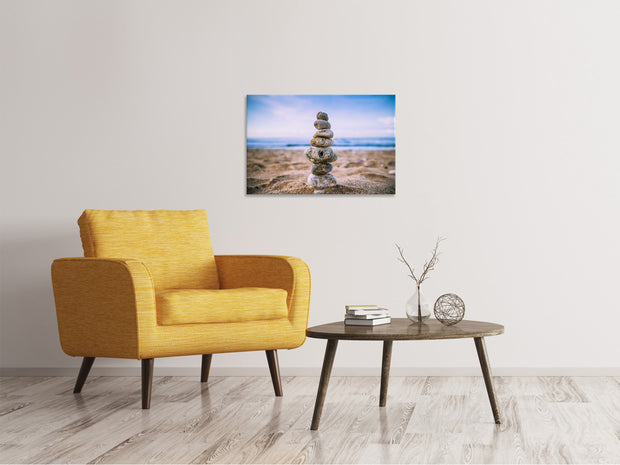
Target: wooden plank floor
238, 420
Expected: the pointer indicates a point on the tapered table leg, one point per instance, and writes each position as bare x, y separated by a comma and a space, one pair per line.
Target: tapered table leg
328, 363
486, 373
385, 371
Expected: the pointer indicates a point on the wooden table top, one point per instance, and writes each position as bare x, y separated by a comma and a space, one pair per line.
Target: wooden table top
402, 329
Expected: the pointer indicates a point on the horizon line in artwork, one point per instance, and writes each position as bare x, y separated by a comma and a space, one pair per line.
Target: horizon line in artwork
349, 143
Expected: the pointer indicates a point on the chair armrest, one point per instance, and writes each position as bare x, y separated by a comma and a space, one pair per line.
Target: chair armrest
99, 305
288, 273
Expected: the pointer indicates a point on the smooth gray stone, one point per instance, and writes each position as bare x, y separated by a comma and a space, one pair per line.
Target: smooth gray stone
320, 182
322, 124
319, 155
322, 168
322, 115
321, 142
325, 133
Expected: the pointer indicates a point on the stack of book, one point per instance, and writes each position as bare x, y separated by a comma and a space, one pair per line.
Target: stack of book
366, 315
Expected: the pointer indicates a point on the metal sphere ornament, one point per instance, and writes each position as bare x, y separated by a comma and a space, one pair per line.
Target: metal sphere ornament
449, 309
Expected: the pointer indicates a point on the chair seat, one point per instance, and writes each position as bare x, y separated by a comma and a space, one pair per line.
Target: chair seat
199, 306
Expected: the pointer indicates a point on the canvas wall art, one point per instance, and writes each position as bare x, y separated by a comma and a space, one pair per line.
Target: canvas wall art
321, 144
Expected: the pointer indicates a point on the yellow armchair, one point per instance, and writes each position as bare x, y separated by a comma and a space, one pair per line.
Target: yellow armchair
149, 286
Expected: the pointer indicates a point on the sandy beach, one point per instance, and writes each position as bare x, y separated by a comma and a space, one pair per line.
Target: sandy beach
285, 171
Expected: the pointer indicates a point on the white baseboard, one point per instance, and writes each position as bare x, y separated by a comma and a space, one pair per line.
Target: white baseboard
316, 371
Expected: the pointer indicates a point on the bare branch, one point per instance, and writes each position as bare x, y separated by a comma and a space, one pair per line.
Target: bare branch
428, 265
402, 259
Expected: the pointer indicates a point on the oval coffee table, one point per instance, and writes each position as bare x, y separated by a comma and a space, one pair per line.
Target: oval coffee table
400, 329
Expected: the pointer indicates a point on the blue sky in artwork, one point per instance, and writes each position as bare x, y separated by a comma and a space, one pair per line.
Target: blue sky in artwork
293, 115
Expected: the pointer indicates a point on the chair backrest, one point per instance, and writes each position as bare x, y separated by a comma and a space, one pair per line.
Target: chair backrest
174, 245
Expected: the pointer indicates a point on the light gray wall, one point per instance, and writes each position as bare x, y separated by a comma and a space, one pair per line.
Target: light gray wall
507, 144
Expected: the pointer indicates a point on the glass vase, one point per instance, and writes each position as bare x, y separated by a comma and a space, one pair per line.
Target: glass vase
418, 308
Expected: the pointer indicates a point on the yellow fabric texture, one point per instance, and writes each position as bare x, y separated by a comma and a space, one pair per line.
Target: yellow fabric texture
107, 306
97, 305
185, 306
174, 245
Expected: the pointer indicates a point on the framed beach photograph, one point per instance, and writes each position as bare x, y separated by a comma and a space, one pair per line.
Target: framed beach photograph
321, 144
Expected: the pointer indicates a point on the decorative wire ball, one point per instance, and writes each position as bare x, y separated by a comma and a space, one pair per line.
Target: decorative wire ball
449, 309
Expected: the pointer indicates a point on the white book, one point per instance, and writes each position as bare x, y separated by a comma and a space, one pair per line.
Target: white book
367, 312
367, 316
376, 322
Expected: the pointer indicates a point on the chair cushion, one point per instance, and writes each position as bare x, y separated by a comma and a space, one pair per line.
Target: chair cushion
190, 306
174, 245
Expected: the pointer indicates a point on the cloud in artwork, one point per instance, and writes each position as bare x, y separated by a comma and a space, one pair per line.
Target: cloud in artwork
293, 115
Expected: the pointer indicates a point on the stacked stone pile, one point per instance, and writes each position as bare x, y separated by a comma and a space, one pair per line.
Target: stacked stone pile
321, 154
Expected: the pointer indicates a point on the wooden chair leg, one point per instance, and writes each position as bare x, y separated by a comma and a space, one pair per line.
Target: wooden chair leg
87, 363
206, 366
147, 382
274, 369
